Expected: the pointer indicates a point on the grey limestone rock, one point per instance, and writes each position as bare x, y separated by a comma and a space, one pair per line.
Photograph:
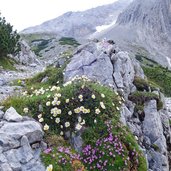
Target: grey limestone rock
16, 138
26, 56
100, 62
5, 167
152, 125
2, 82
153, 129
8, 142
11, 115
76, 142
125, 113
91, 62
31, 129
44, 80
1, 114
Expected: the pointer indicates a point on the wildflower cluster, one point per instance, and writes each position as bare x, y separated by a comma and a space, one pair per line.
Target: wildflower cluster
77, 78
87, 106
108, 153
72, 106
64, 157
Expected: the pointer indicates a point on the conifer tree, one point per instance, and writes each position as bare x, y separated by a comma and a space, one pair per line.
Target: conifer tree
9, 39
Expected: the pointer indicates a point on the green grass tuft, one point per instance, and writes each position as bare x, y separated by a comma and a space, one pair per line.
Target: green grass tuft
7, 63
54, 75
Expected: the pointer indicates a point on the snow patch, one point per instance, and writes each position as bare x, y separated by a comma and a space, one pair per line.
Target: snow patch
104, 27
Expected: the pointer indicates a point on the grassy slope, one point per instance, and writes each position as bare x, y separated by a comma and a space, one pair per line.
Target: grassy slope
157, 74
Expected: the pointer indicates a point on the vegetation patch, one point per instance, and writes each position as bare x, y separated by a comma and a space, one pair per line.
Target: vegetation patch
139, 98
160, 76
7, 63
141, 84
146, 61
40, 46
68, 41
54, 76
81, 106
155, 147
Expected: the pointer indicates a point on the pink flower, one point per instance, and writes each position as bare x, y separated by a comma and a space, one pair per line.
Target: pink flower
47, 151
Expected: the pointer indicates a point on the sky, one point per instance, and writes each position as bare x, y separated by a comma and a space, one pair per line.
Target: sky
25, 13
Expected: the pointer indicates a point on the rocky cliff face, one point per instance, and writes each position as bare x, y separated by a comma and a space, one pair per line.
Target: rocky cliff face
104, 62
146, 24
26, 56
152, 21
80, 24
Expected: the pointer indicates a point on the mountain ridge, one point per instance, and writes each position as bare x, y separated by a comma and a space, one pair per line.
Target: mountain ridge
78, 24
146, 24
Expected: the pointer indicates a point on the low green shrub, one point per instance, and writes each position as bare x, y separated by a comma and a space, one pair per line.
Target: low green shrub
68, 41
139, 57
63, 158
139, 98
154, 86
141, 84
41, 46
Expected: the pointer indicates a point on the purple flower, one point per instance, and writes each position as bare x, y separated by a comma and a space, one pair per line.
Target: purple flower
47, 151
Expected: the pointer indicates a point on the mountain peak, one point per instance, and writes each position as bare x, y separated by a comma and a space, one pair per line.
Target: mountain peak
145, 24
82, 23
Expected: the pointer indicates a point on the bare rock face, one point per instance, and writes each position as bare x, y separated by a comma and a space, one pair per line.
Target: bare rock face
92, 63
152, 21
104, 62
26, 56
2, 82
17, 136
145, 24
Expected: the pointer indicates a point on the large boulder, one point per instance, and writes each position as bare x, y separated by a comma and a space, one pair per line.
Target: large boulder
104, 62
17, 137
93, 63
12, 115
